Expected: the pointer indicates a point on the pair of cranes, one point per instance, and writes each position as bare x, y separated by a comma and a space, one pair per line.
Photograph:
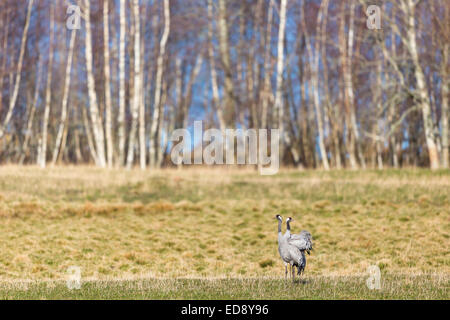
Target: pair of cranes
292, 247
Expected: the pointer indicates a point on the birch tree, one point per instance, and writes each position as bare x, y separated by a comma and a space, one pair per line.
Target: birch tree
97, 126
267, 90
444, 97
350, 145
213, 70
279, 108
224, 48
5, 27
313, 59
136, 93
42, 157
408, 9
158, 84
32, 113
121, 118
106, 60
12, 101
348, 83
65, 99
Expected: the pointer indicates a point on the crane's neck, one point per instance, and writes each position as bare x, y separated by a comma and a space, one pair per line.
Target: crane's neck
280, 235
288, 227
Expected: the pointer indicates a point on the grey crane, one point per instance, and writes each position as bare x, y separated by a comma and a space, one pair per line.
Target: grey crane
302, 241
289, 253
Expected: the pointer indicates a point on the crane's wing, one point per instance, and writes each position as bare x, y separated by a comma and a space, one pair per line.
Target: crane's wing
303, 241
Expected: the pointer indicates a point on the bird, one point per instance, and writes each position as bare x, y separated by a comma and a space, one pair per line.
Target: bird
282, 244
289, 253
302, 241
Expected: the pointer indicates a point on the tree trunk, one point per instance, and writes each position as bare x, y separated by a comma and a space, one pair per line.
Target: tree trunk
349, 86
12, 101
108, 111
445, 114
444, 95
65, 99
158, 86
142, 136
135, 110
78, 155
32, 113
187, 99
97, 126
5, 56
408, 7
121, 118
378, 102
313, 59
162, 145
350, 143
48, 93
331, 111
90, 140
224, 47
267, 90
279, 107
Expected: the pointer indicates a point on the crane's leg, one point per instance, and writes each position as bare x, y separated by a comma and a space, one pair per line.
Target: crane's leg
285, 269
293, 274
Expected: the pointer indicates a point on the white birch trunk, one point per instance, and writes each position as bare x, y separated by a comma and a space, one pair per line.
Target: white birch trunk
350, 143
349, 85
97, 126
121, 118
90, 140
279, 109
65, 99
108, 111
142, 127
226, 62
158, 86
408, 7
48, 94
12, 101
267, 91
136, 90
213, 70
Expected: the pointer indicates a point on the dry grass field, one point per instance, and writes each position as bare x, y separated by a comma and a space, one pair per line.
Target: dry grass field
211, 233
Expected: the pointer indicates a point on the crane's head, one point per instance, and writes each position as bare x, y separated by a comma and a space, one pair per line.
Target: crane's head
289, 219
279, 217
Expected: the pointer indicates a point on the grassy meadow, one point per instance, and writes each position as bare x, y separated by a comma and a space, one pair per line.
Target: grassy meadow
211, 233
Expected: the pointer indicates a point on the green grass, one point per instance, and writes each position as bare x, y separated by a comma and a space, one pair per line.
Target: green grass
392, 287
213, 224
